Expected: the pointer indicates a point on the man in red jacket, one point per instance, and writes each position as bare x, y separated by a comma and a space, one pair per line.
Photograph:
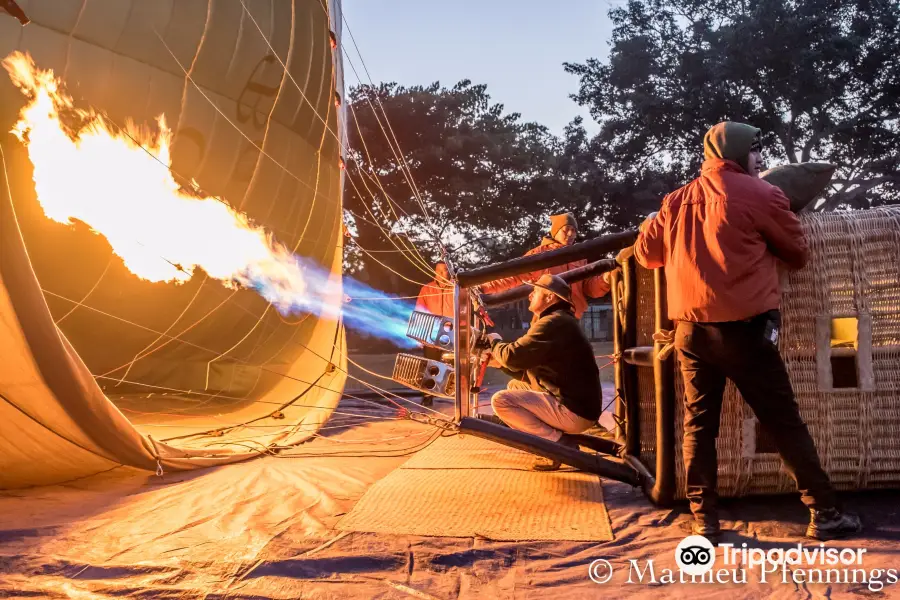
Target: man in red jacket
563, 229
720, 239
436, 297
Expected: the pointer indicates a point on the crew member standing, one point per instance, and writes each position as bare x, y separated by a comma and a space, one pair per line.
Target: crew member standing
436, 297
720, 239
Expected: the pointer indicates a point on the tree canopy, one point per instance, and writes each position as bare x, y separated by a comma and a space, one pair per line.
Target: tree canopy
821, 78
484, 178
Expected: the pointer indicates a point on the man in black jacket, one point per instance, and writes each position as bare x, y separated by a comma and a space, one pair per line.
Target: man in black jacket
556, 385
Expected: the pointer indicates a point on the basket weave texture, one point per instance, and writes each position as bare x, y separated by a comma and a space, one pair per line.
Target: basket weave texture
853, 272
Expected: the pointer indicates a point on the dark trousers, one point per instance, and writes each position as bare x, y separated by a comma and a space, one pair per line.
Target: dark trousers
431, 354
743, 352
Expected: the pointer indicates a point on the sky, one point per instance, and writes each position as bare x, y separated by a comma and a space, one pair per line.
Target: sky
516, 47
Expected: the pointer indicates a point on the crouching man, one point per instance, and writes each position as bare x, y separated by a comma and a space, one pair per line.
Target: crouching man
556, 385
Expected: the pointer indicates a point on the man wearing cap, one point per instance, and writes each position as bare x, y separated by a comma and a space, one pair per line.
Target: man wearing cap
556, 385
721, 238
563, 229
436, 297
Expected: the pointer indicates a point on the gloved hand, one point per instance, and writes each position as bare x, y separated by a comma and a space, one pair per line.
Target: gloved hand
666, 337
647, 220
624, 254
494, 336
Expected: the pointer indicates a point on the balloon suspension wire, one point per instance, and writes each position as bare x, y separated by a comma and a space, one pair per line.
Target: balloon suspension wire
417, 259
81, 304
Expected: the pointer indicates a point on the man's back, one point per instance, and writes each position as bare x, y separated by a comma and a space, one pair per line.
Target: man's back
720, 238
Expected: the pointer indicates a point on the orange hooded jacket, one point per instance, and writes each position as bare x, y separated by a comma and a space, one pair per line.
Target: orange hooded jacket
435, 299
720, 239
593, 287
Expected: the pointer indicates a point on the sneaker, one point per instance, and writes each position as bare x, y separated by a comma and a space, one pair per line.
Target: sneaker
830, 524
706, 525
549, 464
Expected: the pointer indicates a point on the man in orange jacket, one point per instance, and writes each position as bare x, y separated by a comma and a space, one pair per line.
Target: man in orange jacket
563, 229
720, 239
436, 297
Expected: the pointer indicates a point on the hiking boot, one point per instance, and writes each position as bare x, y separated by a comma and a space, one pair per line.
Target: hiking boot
706, 525
492, 419
830, 524
549, 464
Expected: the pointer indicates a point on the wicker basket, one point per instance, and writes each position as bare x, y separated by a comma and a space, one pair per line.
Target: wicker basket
848, 390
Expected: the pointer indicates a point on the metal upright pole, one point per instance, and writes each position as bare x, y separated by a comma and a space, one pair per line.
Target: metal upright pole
462, 352
629, 372
663, 492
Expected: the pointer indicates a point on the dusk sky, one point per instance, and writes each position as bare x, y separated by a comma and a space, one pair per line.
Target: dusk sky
516, 47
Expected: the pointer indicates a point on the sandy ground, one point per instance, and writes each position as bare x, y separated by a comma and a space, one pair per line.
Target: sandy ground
264, 529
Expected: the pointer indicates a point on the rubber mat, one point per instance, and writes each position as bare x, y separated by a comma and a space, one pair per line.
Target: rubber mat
464, 486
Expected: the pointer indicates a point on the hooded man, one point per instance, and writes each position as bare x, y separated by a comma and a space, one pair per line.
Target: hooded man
721, 238
563, 229
556, 385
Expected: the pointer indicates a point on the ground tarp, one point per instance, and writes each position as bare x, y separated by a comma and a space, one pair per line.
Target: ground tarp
265, 529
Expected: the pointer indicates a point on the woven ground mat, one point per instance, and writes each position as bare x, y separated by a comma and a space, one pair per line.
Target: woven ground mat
464, 486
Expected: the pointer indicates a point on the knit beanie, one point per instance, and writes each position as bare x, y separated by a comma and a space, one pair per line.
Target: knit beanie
557, 222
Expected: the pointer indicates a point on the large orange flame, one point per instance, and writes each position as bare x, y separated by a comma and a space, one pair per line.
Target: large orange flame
120, 183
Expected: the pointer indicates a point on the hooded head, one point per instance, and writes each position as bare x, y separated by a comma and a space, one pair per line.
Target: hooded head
731, 141
559, 222
443, 274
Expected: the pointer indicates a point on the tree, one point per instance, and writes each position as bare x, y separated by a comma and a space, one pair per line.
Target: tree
610, 196
486, 179
821, 78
